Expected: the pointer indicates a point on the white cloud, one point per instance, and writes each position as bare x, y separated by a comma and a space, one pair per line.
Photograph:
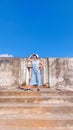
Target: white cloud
6, 55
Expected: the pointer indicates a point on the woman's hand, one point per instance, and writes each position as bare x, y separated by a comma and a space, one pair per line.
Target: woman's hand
30, 59
41, 65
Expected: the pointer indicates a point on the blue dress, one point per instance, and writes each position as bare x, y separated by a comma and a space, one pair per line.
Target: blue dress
36, 77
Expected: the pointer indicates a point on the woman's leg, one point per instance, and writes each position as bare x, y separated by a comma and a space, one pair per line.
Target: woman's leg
33, 79
38, 78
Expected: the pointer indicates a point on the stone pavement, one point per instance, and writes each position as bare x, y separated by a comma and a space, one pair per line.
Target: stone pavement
48, 109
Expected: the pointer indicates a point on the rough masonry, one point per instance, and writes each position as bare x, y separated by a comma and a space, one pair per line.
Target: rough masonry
58, 72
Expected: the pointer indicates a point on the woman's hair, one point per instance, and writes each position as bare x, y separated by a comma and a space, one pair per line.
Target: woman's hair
37, 56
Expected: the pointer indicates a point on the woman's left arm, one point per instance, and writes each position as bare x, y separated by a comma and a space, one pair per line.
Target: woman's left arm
41, 65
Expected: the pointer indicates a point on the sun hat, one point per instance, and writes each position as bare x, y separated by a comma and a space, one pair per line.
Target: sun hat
36, 55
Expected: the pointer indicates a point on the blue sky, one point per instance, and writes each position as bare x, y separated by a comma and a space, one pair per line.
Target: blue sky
36, 26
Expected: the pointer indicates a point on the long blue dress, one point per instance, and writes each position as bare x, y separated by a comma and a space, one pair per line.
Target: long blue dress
36, 77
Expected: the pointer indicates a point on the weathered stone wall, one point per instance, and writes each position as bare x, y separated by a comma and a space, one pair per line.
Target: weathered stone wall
61, 72
58, 72
9, 71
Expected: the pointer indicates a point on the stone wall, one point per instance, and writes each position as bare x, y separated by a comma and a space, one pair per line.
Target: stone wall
58, 72
9, 71
61, 72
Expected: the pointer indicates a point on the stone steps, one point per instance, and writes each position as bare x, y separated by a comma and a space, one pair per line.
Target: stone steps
31, 110
36, 123
37, 129
40, 116
59, 128
49, 92
24, 109
35, 99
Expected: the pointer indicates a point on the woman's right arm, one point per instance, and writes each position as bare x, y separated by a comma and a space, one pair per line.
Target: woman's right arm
30, 59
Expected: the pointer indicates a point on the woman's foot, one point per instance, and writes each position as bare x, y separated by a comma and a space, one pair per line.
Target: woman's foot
38, 89
28, 87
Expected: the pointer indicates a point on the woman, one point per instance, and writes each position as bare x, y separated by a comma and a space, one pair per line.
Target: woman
37, 66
